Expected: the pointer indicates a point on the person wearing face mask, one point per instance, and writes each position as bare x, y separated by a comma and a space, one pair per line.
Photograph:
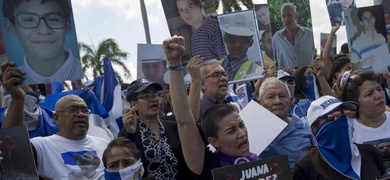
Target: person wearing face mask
38, 119
336, 156
311, 82
122, 160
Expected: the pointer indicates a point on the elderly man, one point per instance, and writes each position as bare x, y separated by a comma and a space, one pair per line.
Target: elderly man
293, 45
295, 139
55, 154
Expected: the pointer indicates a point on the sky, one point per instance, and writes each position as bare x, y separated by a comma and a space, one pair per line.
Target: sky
96, 20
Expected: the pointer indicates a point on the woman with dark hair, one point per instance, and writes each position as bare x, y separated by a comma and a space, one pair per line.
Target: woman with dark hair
339, 66
221, 124
122, 160
336, 156
311, 82
372, 121
157, 139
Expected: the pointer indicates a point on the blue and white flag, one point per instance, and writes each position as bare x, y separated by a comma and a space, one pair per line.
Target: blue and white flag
112, 99
311, 90
97, 127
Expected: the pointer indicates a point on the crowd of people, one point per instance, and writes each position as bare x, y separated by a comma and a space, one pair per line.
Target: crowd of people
337, 124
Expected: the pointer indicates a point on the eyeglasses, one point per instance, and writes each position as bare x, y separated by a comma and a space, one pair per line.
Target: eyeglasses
244, 40
337, 113
149, 97
75, 109
32, 20
290, 82
217, 75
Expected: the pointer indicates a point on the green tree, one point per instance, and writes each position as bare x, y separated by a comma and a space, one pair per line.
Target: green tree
93, 58
233, 5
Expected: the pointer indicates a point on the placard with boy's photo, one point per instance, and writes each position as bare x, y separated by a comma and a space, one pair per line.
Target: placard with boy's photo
152, 64
40, 38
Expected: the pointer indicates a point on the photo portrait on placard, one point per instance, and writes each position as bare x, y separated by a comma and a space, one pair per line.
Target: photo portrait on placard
293, 41
196, 21
40, 38
383, 146
324, 38
266, 47
152, 64
244, 61
367, 38
336, 10
262, 16
386, 11
16, 156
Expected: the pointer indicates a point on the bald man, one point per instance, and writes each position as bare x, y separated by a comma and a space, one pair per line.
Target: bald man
55, 154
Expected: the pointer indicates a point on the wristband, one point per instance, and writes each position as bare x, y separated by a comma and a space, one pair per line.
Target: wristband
334, 34
177, 67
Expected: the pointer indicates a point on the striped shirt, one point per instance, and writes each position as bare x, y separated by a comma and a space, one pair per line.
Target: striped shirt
207, 42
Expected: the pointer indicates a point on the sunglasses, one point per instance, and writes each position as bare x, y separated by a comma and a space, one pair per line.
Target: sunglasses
289, 82
244, 40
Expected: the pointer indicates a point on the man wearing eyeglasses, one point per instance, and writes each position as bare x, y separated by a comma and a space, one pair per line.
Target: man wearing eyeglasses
41, 27
238, 38
54, 154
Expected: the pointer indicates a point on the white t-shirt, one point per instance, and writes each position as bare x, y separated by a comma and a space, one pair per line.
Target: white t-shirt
363, 134
70, 70
55, 155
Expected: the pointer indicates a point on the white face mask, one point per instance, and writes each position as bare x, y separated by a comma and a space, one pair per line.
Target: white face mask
133, 172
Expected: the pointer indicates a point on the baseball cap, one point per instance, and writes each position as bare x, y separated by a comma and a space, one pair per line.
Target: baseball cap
239, 24
326, 104
139, 85
284, 75
151, 53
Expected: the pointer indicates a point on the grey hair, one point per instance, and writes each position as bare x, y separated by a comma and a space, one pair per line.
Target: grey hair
291, 5
270, 81
203, 69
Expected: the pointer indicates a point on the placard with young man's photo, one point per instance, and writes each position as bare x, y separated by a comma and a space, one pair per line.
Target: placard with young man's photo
367, 38
244, 61
152, 64
40, 38
196, 21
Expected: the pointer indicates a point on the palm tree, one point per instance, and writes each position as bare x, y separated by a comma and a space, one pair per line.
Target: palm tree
93, 58
233, 5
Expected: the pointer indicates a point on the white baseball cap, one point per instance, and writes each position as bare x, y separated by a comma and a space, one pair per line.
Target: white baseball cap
324, 105
239, 25
151, 53
284, 74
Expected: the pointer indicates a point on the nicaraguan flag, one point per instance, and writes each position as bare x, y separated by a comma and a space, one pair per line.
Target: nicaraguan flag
311, 90
112, 100
97, 127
